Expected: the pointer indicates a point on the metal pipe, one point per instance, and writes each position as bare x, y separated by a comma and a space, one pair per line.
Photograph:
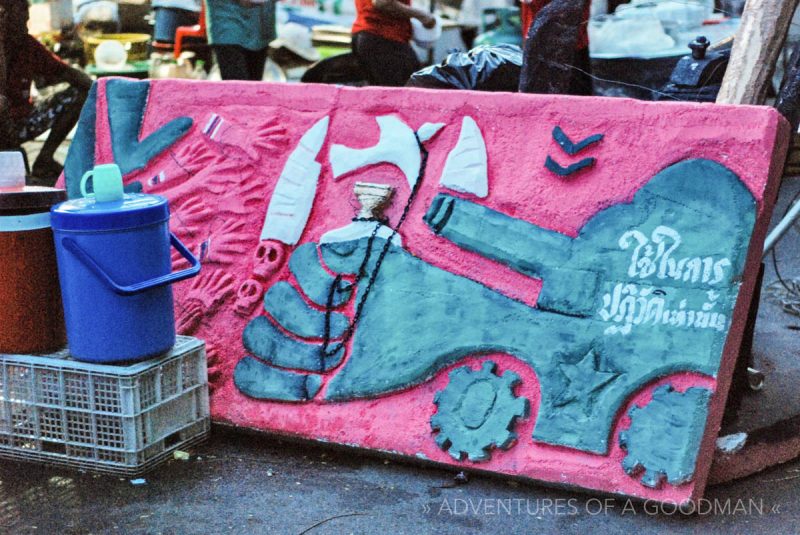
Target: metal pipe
781, 228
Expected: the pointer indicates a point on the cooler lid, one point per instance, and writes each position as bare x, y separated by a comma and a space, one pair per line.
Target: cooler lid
86, 214
29, 199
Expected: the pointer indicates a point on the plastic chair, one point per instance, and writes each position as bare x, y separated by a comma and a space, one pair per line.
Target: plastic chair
163, 48
196, 31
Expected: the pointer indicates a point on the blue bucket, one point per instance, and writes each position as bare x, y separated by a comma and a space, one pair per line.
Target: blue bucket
169, 19
115, 271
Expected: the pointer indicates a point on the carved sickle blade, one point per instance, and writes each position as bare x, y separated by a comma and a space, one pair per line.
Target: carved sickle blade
293, 197
466, 167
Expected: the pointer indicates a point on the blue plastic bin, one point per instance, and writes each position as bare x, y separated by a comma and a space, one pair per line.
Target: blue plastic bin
115, 272
169, 19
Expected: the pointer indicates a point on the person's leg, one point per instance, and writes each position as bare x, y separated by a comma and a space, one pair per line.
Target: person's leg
404, 63
58, 113
386, 63
256, 59
358, 47
468, 35
8, 134
232, 61
168, 19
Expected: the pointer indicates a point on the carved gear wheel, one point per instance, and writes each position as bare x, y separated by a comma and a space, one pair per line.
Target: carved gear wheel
664, 437
477, 411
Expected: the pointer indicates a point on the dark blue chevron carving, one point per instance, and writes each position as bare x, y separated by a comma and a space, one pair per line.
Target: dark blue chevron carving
560, 170
569, 146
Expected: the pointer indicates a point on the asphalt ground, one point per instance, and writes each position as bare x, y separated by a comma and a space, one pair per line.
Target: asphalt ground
250, 484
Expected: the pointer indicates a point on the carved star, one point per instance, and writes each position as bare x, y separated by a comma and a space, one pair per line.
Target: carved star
583, 381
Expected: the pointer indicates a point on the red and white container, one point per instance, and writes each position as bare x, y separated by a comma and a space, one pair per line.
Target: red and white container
31, 316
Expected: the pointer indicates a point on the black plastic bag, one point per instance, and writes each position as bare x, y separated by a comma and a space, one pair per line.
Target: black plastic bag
484, 68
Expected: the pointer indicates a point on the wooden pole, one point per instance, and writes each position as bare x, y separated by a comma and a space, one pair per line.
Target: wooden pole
432, 7
2, 51
755, 51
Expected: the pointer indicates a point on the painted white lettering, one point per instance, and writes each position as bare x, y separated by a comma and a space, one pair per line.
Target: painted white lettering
655, 256
629, 305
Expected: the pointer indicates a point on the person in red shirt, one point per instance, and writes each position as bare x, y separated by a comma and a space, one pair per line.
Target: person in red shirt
21, 119
381, 35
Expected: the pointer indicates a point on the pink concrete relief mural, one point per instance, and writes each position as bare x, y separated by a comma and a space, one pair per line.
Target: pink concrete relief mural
540, 286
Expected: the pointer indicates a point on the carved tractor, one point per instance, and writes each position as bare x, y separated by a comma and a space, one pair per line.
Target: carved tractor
645, 290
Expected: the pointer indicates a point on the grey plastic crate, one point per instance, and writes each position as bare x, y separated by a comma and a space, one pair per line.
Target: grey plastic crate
115, 419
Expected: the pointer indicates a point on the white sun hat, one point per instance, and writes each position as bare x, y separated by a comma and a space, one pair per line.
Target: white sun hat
296, 38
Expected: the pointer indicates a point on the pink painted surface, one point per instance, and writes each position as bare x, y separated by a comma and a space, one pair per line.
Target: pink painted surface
221, 193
